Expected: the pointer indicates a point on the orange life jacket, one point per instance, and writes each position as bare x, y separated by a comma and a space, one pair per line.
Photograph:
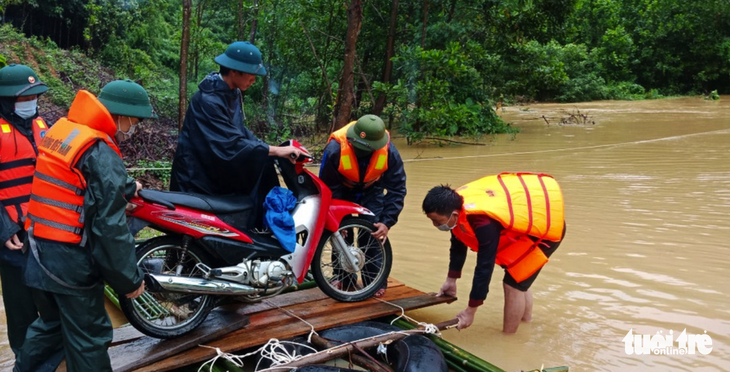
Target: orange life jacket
56, 204
17, 164
348, 161
525, 204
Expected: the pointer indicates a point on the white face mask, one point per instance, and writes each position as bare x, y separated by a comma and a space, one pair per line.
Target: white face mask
446, 227
121, 135
26, 109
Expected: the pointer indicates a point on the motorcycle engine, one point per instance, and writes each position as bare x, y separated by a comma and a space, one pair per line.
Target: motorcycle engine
265, 273
256, 273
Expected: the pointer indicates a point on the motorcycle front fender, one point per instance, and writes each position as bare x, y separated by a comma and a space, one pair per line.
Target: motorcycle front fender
339, 209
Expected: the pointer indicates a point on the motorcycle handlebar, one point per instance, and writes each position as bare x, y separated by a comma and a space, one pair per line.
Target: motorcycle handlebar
302, 156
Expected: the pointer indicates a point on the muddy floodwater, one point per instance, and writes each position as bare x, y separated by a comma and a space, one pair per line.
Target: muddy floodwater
647, 250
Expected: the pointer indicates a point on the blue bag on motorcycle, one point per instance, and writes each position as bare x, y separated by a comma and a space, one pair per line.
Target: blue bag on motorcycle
279, 201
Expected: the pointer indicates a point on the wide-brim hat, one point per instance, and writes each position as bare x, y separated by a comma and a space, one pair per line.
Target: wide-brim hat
20, 81
242, 56
126, 98
368, 133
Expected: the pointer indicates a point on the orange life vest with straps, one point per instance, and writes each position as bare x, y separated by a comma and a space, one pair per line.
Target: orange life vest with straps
348, 161
17, 164
525, 204
56, 204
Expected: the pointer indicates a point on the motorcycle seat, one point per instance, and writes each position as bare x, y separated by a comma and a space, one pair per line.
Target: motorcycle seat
214, 204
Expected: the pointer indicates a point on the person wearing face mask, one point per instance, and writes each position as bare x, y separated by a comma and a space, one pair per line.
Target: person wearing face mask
21, 129
77, 232
360, 164
515, 220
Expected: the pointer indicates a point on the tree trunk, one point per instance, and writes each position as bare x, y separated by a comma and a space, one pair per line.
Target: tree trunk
452, 8
425, 20
271, 36
241, 25
388, 68
254, 22
345, 94
199, 11
184, 46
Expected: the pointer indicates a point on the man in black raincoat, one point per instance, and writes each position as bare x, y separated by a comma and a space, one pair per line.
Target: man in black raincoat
216, 154
73, 253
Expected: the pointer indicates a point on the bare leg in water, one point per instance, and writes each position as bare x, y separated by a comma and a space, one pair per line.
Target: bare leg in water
517, 307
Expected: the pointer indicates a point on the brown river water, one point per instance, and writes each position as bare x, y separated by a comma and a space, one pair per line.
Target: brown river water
647, 195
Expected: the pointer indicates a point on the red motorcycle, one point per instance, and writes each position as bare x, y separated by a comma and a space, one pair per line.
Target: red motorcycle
211, 250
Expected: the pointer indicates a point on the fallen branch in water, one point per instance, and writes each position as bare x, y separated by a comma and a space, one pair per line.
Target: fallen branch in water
454, 141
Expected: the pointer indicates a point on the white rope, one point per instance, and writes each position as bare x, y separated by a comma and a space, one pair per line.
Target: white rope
428, 328
275, 351
235, 359
288, 312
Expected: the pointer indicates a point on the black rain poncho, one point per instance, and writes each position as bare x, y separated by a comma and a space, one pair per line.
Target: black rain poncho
216, 154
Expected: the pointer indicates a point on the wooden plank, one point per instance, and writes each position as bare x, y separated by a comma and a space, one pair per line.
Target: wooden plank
147, 350
288, 330
125, 334
320, 314
290, 298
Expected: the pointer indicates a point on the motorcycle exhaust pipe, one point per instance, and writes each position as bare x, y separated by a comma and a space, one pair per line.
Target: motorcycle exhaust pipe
181, 284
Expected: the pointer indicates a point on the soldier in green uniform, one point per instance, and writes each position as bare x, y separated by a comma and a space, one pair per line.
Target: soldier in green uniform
77, 232
21, 128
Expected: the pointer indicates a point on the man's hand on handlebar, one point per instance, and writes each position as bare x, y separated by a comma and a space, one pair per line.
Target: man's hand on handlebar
288, 152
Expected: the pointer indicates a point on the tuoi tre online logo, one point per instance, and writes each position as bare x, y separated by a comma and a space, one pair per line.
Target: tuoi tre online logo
661, 344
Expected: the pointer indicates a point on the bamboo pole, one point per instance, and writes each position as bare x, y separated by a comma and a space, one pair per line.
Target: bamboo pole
340, 350
109, 292
365, 362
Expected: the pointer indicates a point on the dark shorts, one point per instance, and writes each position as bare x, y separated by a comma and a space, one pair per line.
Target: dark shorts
548, 248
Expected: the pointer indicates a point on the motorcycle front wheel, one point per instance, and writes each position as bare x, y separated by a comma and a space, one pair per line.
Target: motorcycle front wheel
166, 314
351, 284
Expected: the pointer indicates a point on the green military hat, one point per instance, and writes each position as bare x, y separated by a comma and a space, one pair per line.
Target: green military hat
368, 133
20, 81
242, 56
126, 98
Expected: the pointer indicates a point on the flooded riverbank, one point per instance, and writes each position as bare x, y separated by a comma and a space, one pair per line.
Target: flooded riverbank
647, 194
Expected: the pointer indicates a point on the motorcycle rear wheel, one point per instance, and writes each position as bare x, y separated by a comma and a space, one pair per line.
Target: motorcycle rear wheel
165, 314
334, 278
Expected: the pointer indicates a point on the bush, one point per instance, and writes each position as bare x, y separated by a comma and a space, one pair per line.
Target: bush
588, 87
625, 91
441, 94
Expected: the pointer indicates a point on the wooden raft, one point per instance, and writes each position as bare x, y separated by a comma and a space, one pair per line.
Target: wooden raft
272, 318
